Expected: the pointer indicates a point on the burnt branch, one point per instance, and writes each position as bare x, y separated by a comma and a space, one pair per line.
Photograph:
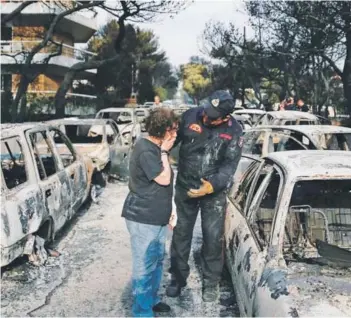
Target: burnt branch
16, 12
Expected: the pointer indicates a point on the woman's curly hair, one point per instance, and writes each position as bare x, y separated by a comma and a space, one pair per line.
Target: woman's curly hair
159, 121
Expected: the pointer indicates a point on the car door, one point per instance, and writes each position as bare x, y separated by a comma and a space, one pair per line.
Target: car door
236, 228
52, 179
73, 166
262, 203
22, 208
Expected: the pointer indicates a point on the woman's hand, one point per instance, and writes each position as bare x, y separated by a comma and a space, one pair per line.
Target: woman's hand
167, 144
172, 220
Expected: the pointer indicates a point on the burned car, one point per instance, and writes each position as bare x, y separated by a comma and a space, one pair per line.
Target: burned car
100, 140
141, 114
41, 187
262, 140
253, 114
126, 120
287, 117
288, 235
244, 121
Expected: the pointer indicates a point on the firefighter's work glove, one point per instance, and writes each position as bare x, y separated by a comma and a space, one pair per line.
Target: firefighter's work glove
206, 188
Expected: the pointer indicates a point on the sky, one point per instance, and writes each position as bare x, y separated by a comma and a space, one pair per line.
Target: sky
180, 37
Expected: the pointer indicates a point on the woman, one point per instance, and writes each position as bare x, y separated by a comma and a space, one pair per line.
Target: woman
147, 209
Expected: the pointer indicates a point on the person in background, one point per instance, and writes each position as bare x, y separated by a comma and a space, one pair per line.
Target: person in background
147, 209
157, 102
210, 149
289, 105
300, 106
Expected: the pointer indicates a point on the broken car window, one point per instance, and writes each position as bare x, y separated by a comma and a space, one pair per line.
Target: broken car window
43, 155
122, 117
279, 141
336, 142
13, 163
262, 218
82, 134
253, 142
63, 148
323, 200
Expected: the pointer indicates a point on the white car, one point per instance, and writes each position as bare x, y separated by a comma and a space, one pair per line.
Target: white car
127, 121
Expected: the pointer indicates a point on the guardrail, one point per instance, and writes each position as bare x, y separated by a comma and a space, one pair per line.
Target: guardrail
15, 47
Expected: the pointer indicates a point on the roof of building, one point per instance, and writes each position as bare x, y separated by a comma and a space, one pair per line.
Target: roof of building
320, 164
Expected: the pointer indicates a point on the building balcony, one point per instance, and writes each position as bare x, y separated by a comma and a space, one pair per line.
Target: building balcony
14, 53
38, 14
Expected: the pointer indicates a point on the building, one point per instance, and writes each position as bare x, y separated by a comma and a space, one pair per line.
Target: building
27, 29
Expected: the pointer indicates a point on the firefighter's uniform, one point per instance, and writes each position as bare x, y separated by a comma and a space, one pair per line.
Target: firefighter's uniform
208, 158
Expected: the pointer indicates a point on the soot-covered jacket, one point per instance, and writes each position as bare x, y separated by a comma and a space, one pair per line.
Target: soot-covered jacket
211, 153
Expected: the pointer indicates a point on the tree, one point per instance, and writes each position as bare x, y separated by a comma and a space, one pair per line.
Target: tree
320, 31
135, 11
141, 64
196, 79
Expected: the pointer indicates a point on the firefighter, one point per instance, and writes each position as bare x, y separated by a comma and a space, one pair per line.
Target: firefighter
211, 141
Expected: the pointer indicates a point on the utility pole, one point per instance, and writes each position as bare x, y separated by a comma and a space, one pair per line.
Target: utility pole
243, 68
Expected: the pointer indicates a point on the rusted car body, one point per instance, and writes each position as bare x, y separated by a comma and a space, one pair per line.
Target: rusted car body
41, 188
253, 114
100, 140
287, 117
288, 226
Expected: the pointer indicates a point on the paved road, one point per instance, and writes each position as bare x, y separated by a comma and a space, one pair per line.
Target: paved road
92, 275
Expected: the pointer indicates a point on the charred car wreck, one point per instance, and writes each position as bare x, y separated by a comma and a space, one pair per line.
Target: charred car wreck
288, 235
100, 140
41, 187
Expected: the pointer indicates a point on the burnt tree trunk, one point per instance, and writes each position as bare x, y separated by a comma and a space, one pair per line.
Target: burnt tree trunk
20, 95
60, 97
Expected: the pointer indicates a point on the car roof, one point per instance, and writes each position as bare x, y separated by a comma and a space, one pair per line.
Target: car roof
249, 111
291, 114
307, 129
322, 164
240, 117
14, 129
116, 109
87, 121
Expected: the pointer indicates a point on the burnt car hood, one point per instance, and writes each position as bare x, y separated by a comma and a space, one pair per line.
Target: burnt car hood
320, 290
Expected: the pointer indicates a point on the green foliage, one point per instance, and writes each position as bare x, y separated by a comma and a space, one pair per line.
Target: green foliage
195, 79
161, 92
295, 51
141, 63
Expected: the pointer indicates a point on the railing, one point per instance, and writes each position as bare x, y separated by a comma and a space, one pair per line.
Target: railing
15, 47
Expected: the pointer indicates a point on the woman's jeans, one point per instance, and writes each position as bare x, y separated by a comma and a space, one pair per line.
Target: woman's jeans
148, 248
